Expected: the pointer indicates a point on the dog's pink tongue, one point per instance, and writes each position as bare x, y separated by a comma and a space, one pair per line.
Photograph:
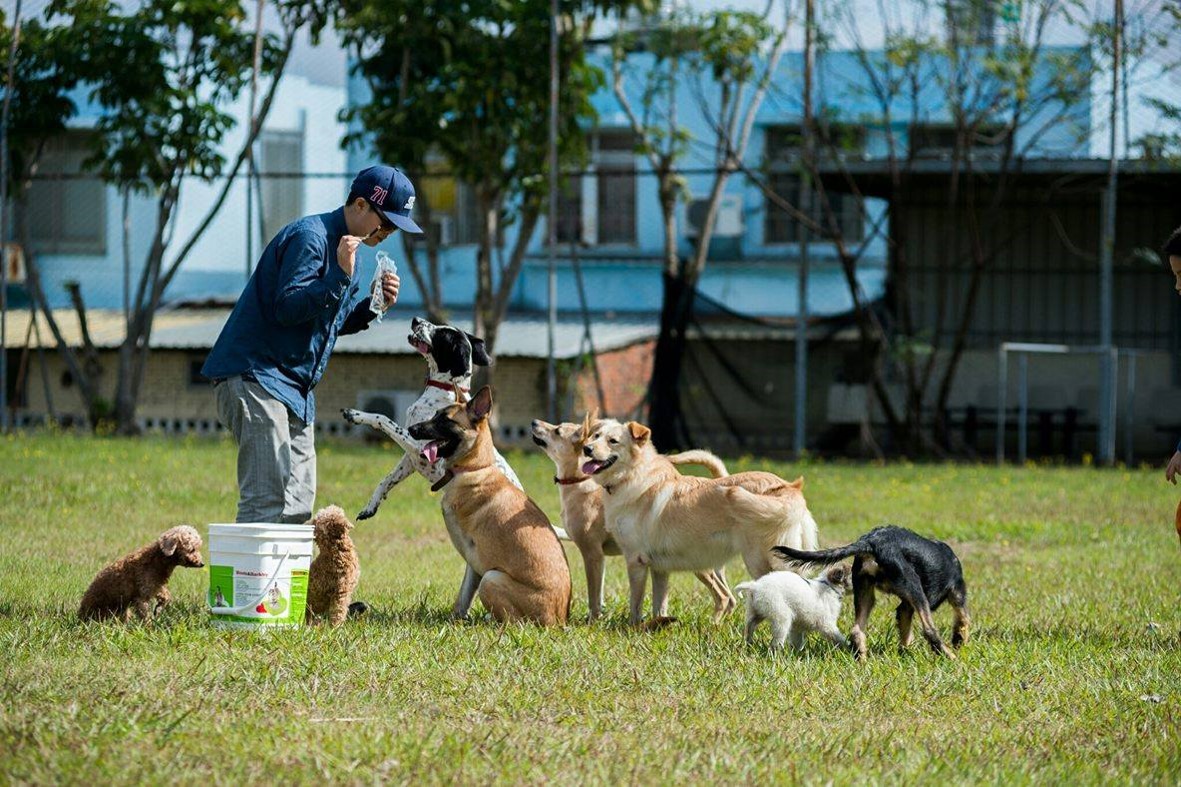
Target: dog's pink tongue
431, 451
590, 467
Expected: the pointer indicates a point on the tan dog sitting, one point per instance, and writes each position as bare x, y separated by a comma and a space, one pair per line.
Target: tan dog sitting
336, 570
664, 521
582, 509
514, 560
138, 582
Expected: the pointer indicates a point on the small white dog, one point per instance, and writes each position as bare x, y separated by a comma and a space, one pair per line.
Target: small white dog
795, 605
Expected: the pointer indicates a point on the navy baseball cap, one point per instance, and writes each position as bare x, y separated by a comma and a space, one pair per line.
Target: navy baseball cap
391, 191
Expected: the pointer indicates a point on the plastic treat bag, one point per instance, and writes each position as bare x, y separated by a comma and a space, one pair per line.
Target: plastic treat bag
376, 294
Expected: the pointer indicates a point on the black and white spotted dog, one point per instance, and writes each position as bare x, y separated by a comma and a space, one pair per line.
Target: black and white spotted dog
450, 354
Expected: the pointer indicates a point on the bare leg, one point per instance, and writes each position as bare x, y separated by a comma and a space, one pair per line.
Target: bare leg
720, 593
905, 617
752, 623
592, 559
931, 633
833, 635
863, 599
396, 476
780, 628
467, 592
959, 603
659, 594
909, 588
412, 447
720, 580
637, 581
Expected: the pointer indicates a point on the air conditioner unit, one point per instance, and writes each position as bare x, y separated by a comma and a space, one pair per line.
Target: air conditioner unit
391, 403
16, 263
727, 221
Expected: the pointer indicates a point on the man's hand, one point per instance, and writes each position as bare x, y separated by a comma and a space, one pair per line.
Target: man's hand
346, 254
390, 283
1173, 468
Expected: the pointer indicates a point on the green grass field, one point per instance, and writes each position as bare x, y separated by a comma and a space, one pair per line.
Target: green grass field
1072, 675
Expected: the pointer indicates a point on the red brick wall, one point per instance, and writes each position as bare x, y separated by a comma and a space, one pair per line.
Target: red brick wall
625, 374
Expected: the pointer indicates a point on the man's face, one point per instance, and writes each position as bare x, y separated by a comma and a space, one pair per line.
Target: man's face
374, 224
1175, 264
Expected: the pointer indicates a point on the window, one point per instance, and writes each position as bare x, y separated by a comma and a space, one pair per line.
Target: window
615, 173
454, 210
971, 22
781, 227
570, 210
782, 151
938, 140
66, 208
599, 207
281, 154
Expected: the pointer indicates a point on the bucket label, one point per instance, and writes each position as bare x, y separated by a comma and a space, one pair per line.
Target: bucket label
284, 600
221, 586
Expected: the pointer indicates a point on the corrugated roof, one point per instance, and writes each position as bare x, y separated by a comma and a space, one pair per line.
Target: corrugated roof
197, 329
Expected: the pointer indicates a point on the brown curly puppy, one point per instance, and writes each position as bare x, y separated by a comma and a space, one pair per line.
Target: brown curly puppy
335, 571
138, 582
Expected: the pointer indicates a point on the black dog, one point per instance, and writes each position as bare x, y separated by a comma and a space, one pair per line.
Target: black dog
921, 572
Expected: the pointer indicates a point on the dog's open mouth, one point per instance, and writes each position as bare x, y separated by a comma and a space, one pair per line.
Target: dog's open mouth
538, 441
430, 451
419, 344
598, 465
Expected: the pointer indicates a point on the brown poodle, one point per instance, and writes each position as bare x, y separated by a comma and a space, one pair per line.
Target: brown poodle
335, 571
138, 582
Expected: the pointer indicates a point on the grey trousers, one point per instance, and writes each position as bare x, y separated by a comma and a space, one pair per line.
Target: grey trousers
276, 454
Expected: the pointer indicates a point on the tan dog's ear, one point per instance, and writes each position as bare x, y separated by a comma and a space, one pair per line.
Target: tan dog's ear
459, 397
480, 405
587, 421
639, 432
169, 542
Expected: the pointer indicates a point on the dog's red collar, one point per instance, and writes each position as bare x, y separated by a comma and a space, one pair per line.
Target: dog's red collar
446, 386
571, 481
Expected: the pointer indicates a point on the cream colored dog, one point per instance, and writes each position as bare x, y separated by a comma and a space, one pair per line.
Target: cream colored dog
664, 521
582, 509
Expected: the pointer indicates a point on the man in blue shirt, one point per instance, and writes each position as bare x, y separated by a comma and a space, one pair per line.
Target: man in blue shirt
273, 348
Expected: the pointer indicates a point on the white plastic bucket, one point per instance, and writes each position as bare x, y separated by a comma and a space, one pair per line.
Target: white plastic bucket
258, 574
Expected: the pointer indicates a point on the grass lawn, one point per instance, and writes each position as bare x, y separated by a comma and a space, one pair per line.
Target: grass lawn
1073, 672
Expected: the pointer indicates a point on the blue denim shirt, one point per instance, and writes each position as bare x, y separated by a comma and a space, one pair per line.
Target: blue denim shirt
285, 324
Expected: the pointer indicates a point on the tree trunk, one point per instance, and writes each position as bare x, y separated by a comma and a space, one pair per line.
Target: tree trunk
665, 416
87, 387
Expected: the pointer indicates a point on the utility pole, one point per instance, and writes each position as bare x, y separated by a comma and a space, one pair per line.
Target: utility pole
250, 170
8, 85
799, 442
1107, 362
551, 372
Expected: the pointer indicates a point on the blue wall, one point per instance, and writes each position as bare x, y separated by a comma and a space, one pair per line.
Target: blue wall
620, 278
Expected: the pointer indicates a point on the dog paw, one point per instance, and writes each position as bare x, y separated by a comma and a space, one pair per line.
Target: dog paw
349, 415
366, 513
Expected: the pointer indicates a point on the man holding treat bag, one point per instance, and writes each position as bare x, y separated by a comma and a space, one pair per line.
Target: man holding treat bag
276, 343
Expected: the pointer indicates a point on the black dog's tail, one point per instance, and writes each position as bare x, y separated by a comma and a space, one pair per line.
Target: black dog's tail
825, 556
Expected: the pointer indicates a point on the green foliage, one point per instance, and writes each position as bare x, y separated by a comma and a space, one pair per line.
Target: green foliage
44, 75
1070, 676
163, 73
470, 82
